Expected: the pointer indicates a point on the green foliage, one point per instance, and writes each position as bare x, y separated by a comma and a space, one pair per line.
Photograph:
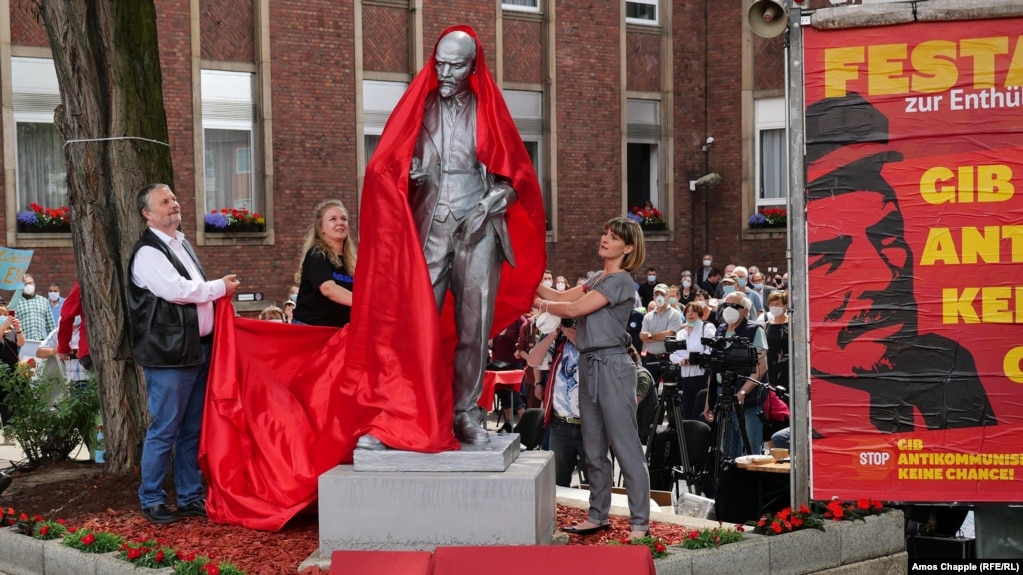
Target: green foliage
201, 565
47, 419
90, 542
148, 553
657, 547
710, 538
47, 530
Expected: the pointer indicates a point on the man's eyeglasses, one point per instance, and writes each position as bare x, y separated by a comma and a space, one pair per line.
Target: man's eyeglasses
737, 306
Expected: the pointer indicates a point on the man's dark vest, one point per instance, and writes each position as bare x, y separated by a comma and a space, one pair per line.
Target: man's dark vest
164, 334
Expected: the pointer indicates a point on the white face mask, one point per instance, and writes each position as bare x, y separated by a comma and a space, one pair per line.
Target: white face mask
687, 283
293, 297
706, 263
547, 283
673, 300
758, 287
659, 300
54, 296
651, 279
560, 286
777, 311
29, 290
730, 315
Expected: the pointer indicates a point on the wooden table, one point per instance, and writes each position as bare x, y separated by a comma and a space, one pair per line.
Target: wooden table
772, 486
784, 467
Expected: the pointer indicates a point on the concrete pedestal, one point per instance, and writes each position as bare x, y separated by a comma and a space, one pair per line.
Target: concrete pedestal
423, 510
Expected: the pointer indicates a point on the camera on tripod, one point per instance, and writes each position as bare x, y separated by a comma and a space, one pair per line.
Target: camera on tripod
734, 354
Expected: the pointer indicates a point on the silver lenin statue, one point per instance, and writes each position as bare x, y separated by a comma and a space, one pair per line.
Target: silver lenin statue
458, 207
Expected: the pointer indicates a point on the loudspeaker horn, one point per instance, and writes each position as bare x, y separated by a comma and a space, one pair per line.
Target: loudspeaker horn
767, 18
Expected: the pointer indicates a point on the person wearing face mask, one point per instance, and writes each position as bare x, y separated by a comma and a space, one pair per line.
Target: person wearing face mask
728, 286
289, 311
646, 290
673, 299
548, 279
742, 276
760, 287
56, 302
734, 312
692, 378
705, 272
560, 283
659, 324
33, 311
687, 289
293, 294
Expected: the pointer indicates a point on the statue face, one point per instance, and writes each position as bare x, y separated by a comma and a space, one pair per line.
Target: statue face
454, 62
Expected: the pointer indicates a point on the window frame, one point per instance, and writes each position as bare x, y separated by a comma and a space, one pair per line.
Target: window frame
656, 21
526, 108
33, 85
646, 133
211, 120
535, 9
770, 115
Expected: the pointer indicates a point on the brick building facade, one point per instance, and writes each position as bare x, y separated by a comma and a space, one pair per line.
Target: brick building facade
599, 90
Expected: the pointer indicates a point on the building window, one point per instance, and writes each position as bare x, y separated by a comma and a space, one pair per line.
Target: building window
229, 141
527, 110
771, 153
521, 5
41, 175
641, 12
378, 101
643, 154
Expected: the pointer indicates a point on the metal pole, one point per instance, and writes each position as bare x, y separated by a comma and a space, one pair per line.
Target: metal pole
798, 339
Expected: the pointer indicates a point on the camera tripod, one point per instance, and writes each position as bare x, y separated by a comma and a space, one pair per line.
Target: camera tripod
670, 404
727, 406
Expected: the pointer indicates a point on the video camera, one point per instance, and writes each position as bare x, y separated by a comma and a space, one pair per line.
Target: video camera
734, 354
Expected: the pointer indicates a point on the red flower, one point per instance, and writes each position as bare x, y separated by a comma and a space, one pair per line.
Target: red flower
797, 521
44, 530
61, 522
694, 534
877, 504
72, 529
762, 522
776, 526
659, 547
740, 528
134, 553
89, 539
211, 569
223, 210
804, 510
181, 555
784, 513
863, 503
23, 517
159, 557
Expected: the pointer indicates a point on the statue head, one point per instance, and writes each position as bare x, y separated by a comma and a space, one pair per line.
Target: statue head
454, 62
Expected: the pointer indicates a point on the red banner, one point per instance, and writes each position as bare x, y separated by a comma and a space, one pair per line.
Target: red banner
914, 140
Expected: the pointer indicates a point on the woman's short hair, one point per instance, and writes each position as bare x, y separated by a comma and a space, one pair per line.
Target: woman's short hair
779, 295
630, 233
698, 306
271, 310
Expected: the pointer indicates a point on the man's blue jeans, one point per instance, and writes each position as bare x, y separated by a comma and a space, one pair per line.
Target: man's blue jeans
176, 398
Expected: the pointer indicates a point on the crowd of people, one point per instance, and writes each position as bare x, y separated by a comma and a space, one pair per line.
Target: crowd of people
710, 303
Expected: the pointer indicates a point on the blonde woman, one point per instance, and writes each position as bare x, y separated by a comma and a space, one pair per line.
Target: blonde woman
327, 274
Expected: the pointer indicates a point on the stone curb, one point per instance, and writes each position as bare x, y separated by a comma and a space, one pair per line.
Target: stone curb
24, 555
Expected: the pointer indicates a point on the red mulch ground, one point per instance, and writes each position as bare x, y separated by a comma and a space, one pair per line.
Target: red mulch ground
85, 497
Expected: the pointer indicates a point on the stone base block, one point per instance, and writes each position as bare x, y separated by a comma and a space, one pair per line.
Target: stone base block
497, 456
424, 510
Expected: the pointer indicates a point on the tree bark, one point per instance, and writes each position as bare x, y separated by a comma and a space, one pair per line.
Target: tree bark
108, 67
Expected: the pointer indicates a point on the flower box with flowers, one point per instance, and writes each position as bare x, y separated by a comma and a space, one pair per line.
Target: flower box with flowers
227, 220
768, 218
648, 217
40, 220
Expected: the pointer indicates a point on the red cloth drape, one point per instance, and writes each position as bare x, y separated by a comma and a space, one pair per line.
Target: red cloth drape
399, 367
286, 403
270, 427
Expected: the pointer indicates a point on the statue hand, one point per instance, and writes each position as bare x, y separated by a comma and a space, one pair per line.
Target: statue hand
470, 231
416, 172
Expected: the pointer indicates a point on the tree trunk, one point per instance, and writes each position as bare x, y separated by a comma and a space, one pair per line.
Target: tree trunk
108, 67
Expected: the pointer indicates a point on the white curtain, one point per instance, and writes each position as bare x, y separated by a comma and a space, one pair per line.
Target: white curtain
42, 178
